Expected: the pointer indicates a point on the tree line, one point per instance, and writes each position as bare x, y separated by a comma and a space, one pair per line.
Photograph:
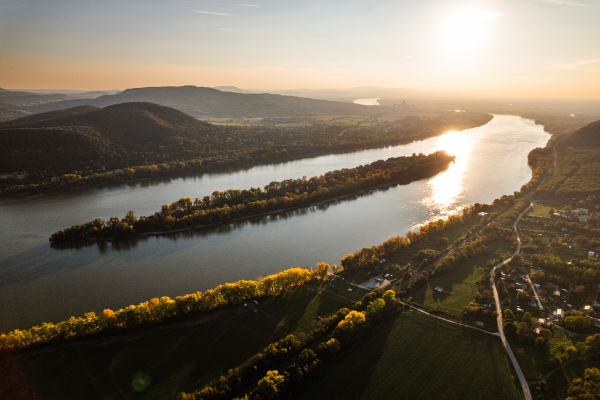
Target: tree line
233, 204
160, 310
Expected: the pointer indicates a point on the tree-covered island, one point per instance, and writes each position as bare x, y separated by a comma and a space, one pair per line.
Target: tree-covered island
222, 207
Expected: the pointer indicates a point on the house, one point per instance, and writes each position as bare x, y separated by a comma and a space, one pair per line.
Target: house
482, 214
558, 313
438, 289
591, 254
581, 211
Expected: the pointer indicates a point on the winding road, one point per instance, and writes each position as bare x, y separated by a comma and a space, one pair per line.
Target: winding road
520, 375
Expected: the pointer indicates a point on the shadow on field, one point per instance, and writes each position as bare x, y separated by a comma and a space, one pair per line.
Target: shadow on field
349, 377
154, 364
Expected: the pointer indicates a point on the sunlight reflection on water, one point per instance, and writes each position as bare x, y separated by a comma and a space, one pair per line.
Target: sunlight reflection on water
446, 188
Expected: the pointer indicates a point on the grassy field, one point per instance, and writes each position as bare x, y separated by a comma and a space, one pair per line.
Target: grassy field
458, 285
159, 363
542, 210
415, 357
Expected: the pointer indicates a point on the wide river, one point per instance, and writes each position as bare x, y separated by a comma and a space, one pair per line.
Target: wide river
38, 283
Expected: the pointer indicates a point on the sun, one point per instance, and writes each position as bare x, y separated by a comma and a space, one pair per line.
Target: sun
466, 30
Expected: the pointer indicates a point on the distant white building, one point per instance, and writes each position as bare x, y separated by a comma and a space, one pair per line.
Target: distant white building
482, 214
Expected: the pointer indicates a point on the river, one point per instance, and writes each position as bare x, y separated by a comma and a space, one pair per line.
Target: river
38, 283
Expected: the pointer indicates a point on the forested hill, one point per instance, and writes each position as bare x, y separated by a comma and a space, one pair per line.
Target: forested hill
586, 137
574, 164
112, 137
204, 102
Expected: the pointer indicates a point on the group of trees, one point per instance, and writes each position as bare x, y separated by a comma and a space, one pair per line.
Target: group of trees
287, 364
232, 204
159, 310
587, 387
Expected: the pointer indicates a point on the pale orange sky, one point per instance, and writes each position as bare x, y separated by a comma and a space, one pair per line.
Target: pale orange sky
524, 48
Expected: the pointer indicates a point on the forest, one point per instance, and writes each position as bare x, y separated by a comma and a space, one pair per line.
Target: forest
233, 204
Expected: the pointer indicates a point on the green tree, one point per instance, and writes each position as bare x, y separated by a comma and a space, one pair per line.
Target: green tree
577, 323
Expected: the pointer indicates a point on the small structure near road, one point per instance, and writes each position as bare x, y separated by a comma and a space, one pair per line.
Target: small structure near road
438, 289
376, 282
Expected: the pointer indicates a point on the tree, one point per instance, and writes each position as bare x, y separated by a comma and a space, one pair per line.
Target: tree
130, 218
269, 386
577, 323
522, 331
523, 298
321, 270
351, 325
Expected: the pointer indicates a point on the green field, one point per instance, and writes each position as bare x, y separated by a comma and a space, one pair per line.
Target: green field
164, 361
458, 284
542, 210
416, 356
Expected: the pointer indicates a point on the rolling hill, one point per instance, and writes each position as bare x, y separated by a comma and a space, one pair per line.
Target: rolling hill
85, 136
204, 102
586, 137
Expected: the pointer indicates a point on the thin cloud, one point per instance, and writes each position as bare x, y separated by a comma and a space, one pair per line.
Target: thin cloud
221, 14
542, 24
564, 3
226, 4
231, 30
586, 66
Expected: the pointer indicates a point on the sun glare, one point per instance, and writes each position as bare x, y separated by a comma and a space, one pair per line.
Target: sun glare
464, 31
446, 187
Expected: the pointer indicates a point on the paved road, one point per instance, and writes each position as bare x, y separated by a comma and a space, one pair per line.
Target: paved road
513, 359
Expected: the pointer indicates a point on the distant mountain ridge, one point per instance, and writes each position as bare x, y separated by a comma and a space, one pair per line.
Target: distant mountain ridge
204, 102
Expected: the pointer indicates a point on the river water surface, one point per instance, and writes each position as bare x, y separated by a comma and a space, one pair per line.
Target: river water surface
38, 283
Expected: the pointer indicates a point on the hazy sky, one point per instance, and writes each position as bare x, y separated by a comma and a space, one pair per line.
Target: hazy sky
504, 47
